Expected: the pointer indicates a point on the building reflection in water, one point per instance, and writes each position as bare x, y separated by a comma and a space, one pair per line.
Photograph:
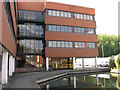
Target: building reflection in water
85, 81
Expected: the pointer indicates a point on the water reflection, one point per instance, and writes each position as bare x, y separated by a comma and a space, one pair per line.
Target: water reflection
104, 80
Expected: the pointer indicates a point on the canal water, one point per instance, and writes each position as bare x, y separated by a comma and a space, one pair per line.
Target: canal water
94, 80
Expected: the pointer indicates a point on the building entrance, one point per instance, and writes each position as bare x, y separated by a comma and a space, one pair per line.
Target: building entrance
30, 62
61, 63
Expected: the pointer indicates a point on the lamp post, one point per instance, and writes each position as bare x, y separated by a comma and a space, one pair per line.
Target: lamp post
102, 51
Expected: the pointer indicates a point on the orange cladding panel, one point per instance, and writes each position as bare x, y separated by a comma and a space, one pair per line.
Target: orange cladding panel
70, 52
69, 22
33, 6
70, 8
63, 36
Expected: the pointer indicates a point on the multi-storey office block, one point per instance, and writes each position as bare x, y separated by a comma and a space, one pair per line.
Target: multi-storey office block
51, 35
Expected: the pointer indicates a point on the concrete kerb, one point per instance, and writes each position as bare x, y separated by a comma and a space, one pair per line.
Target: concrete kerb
33, 79
67, 73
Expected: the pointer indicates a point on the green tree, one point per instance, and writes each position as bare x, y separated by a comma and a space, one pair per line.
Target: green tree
112, 63
118, 62
119, 42
110, 45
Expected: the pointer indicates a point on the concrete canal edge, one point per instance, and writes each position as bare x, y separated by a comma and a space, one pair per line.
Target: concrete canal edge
69, 73
33, 79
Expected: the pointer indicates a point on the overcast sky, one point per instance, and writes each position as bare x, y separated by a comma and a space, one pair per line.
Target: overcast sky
106, 13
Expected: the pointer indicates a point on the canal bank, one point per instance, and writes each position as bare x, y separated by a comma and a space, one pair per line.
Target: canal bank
30, 79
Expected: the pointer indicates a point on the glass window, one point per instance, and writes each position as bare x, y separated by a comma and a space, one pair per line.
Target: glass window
75, 14
50, 28
93, 45
33, 15
23, 29
76, 44
81, 16
92, 31
91, 17
69, 14
82, 43
54, 27
79, 30
79, 44
54, 43
75, 29
25, 15
21, 14
19, 30
70, 29
41, 45
36, 46
66, 29
32, 30
37, 30
54, 13
89, 45
58, 13
28, 30
85, 17
62, 44
78, 16
88, 18
58, 28
62, 28
50, 12
28, 15
58, 43
66, 44
62, 14
41, 30
70, 44
65, 14
50, 44
32, 46
82, 30
28, 46
88, 30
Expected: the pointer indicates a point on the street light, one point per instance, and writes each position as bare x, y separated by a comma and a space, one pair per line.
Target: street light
102, 50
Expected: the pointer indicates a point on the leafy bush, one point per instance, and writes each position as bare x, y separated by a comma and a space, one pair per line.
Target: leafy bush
118, 62
112, 63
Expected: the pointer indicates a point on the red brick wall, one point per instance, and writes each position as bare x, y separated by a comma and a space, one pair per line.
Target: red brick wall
71, 8
61, 36
34, 6
7, 38
70, 52
69, 21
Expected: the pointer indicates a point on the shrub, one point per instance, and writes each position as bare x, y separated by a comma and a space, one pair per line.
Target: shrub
118, 62
112, 63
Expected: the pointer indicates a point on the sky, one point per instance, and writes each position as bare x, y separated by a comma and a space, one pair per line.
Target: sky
106, 13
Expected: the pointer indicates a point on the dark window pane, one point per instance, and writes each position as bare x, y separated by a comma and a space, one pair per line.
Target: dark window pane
32, 30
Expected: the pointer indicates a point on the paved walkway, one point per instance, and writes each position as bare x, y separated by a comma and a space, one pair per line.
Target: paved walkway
28, 80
